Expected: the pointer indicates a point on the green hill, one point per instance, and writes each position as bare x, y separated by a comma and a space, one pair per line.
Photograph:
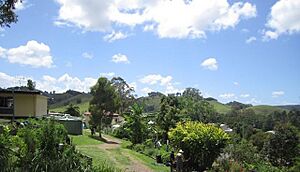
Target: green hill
83, 107
265, 109
219, 107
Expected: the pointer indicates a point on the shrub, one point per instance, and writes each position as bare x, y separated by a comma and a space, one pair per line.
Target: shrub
201, 143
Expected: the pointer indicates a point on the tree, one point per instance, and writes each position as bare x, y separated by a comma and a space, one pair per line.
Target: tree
201, 143
193, 93
124, 93
104, 101
73, 110
282, 147
135, 125
7, 14
30, 84
167, 117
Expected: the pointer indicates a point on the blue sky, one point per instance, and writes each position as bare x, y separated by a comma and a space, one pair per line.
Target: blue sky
231, 50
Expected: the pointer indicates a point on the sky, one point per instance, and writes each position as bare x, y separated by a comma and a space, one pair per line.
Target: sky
242, 50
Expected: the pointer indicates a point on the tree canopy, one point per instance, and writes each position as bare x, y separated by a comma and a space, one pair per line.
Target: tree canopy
7, 14
104, 102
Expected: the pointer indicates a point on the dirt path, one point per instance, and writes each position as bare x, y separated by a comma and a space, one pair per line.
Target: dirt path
112, 144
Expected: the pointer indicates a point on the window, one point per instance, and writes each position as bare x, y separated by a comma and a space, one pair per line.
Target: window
6, 102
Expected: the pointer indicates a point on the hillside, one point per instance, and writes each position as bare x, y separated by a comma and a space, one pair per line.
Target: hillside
219, 107
265, 109
69, 97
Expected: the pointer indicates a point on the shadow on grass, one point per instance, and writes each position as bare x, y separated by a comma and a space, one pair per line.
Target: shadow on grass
103, 139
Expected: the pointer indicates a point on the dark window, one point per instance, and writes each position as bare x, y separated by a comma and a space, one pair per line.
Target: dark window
6, 102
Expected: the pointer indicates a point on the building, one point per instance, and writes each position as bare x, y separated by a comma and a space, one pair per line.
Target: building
22, 103
72, 124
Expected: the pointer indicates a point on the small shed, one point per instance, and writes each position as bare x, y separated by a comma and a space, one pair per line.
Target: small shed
72, 124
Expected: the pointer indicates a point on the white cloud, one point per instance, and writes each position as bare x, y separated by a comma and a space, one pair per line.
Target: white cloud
32, 54
87, 55
114, 36
168, 19
245, 95
49, 83
21, 5
133, 85
107, 75
236, 83
163, 84
146, 90
210, 63
227, 95
120, 58
251, 39
156, 78
277, 93
283, 19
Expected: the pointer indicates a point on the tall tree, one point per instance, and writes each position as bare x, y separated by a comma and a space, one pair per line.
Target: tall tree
30, 84
135, 124
73, 110
124, 92
7, 14
168, 115
193, 93
104, 102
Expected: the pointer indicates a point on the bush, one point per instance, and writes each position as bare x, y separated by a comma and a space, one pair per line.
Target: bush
201, 143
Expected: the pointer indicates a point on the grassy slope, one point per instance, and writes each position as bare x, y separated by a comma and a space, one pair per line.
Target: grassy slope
219, 107
265, 109
84, 106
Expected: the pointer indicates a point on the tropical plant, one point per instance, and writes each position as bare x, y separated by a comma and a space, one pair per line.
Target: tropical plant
73, 110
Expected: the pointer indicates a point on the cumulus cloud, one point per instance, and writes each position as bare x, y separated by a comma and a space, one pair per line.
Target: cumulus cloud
283, 19
227, 95
87, 55
251, 39
164, 84
146, 90
276, 94
236, 83
49, 83
33, 54
114, 36
120, 58
167, 19
210, 64
156, 78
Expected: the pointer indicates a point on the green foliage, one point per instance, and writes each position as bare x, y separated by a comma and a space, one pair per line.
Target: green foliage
30, 84
73, 110
105, 100
40, 146
201, 143
124, 92
168, 115
282, 147
134, 124
6, 153
7, 14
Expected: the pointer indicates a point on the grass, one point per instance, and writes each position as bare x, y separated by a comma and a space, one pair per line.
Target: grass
119, 157
219, 107
83, 107
265, 109
84, 139
148, 161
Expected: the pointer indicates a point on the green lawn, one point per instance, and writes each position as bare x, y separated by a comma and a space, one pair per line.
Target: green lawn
84, 139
